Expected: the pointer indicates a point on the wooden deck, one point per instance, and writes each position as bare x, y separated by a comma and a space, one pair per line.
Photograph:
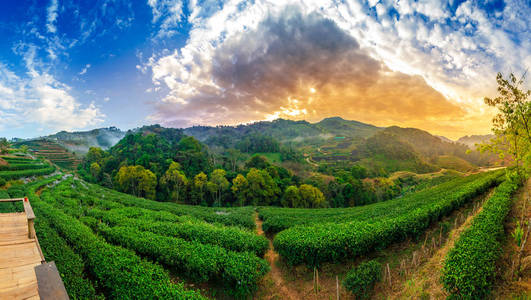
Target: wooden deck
24, 273
19, 255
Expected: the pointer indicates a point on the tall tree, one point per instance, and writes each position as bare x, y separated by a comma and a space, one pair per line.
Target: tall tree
262, 188
312, 196
200, 181
174, 180
217, 184
292, 197
240, 188
137, 181
4, 145
512, 124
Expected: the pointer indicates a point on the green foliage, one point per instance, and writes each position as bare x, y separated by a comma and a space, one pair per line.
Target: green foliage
258, 162
137, 181
240, 188
518, 234
261, 190
192, 248
242, 217
230, 238
470, 267
240, 272
4, 146
360, 280
69, 264
23, 166
174, 180
120, 273
376, 226
217, 185
8, 175
291, 196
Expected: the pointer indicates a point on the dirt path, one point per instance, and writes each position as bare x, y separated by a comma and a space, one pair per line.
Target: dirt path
508, 286
279, 289
426, 280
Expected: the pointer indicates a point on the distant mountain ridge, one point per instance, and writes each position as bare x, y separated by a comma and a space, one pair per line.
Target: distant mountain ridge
280, 129
81, 141
472, 140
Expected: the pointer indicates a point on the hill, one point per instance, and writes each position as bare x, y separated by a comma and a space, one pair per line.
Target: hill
81, 141
53, 151
283, 131
472, 140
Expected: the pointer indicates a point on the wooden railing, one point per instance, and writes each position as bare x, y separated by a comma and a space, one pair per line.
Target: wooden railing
31, 219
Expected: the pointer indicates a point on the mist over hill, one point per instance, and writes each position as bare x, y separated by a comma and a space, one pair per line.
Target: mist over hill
472, 140
331, 141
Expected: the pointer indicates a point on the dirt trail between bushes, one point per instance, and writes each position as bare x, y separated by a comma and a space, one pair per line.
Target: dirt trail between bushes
280, 289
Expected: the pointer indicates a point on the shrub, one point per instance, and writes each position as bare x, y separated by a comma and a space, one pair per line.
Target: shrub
470, 267
333, 242
361, 279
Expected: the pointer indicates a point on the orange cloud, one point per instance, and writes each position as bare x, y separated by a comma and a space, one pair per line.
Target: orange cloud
298, 67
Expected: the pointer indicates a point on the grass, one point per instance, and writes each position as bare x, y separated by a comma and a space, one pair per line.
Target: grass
273, 157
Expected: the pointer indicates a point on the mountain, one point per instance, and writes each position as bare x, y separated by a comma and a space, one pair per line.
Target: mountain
341, 127
81, 141
282, 131
472, 140
445, 139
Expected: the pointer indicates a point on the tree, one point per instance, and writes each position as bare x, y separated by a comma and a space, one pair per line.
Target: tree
4, 146
24, 149
262, 189
137, 180
257, 162
513, 121
174, 180
239, 188
233, 155
312, 197
94, 154
95, 170
291, 196
217, 185
200, 181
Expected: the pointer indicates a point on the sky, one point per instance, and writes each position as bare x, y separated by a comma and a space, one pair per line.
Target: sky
78, 65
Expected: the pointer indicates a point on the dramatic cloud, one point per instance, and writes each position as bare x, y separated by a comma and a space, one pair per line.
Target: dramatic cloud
413, 63
291, 65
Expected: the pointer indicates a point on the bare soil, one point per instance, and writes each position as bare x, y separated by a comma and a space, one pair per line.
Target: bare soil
512, 283
415, 266
425, 282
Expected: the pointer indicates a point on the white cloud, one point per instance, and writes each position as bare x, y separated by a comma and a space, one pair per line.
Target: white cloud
51, 16
106, 99
85, 69
457, 55
166, 14
41, 99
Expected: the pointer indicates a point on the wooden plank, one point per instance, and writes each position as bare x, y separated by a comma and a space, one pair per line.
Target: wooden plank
12, 200
20, 292
50, 284
29, 211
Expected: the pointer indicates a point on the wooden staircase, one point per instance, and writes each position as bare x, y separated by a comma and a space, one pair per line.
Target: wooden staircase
21, 256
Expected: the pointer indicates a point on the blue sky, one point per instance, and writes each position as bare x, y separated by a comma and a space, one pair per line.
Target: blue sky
76, 65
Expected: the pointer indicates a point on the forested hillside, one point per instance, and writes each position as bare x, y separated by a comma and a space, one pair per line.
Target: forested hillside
281, 163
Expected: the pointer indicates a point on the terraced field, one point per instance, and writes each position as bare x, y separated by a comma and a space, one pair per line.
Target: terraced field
112, 245
54, 152
107, 244
18, 167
